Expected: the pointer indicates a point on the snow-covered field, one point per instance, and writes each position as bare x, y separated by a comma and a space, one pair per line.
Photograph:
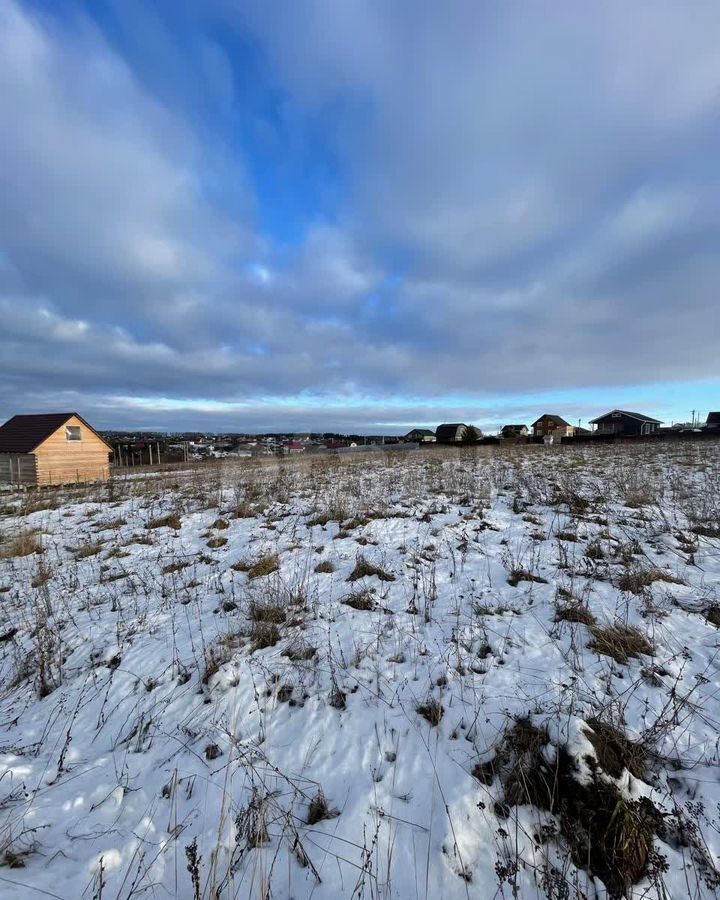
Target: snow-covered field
446, 674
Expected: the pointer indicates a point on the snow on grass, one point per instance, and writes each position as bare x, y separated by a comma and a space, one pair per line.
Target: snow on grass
487, 672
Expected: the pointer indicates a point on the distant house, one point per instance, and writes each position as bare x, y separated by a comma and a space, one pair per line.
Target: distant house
457, 433
712, 422
625, 424
295, 447
422, 435
549, 425
52, 448
514, 431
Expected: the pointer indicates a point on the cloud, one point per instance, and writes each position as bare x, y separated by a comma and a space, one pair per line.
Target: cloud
524, 199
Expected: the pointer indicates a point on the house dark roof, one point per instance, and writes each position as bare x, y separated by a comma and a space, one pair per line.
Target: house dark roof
23, 434
630, 415
512, 428
424, 431
713, 418
558, 420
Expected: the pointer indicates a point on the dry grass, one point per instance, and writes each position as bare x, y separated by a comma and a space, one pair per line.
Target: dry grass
432, 710
23, 544
518, 575
171, 521
325, 566
363, 600
620, 642
365, 569
575, 613
265, 565
636, 580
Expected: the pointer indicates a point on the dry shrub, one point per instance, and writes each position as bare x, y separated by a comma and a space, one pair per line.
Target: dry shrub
364, 569
220, 524
325, 566
712, 614
216, 542
621, 642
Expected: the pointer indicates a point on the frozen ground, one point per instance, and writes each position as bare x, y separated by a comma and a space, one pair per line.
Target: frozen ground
451, 674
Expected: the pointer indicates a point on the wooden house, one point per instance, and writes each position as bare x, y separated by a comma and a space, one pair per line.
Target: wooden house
712, 423
549, 425
625, 424
52, 448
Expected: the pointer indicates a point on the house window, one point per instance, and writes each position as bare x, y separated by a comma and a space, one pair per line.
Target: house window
72, 432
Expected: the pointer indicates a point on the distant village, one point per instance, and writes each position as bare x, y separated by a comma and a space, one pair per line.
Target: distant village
145, 447
58, 448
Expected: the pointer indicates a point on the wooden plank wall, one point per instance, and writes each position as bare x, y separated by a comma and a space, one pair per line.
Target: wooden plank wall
60, 461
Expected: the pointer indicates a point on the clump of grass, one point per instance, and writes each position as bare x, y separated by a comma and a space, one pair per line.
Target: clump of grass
319, 809
620, 642
365, 569
355, 522
636, 580
607, 834
171, 521
300, 651
265, 565
215, 542
89, 550
432, 710
613, 751
23, 544
176, 566
712, 614
572, 613
594, 550
111, 525
709, 529
267, 611
220, 524
264, 634
325, 566
362, 600
518, 575
219, 653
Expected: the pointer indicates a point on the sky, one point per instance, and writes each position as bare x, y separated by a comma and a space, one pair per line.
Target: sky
356, 215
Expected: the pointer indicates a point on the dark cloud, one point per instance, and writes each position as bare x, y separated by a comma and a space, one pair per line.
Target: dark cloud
528, 200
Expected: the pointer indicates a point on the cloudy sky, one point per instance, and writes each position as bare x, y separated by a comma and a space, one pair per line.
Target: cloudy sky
358, 214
